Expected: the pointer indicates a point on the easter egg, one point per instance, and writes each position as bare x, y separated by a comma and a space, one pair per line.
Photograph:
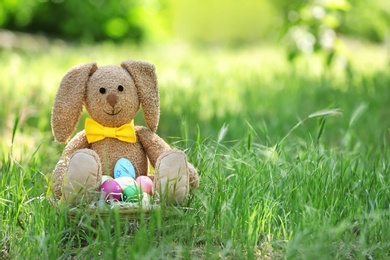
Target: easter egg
106, 177
124, 167
145, 183
132, 194
101, 204
146, 198
111, 190
125, 182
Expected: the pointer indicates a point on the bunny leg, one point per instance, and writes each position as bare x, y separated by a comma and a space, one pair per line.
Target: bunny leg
194, 176
171, 180
83, 177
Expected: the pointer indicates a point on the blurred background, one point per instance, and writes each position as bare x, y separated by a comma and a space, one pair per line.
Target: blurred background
306, 25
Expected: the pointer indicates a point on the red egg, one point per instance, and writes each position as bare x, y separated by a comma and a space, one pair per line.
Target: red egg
145, 183
111, 190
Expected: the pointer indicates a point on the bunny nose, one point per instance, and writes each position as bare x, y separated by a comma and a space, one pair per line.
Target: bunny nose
112, 99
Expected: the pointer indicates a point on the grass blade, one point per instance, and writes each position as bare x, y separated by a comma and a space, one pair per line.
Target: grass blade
357, 114
222, 132
321, 129
16, 123
321, 113
328, 112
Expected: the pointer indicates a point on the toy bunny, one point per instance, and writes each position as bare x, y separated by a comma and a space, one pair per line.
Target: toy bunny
112, 95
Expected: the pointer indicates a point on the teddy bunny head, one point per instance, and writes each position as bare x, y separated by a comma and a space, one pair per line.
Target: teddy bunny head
111, 94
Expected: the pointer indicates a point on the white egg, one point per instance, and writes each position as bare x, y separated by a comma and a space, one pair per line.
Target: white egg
106, 177
125, 182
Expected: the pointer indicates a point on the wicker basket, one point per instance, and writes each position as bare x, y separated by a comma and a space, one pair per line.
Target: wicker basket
126, 210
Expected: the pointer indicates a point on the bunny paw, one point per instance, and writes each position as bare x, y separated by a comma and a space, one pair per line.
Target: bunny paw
83, 176
172, 176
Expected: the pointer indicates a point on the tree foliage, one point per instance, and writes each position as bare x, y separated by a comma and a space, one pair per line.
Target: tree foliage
314, 26
73, 19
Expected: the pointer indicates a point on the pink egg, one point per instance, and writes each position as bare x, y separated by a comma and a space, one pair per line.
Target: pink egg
111, 190
145, 183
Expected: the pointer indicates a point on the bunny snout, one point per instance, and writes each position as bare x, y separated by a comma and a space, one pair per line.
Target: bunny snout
112, 99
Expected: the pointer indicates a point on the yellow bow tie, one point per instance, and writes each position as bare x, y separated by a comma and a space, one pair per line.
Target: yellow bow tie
96, 132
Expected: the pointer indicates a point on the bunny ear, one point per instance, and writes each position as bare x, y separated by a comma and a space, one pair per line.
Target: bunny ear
145, 79
68, 103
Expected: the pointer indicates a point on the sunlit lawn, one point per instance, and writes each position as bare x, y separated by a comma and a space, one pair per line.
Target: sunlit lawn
321, 190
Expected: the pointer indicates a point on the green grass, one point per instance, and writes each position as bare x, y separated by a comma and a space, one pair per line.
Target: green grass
268, 190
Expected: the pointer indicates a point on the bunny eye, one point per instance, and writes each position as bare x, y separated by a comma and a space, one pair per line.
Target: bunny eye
120, 88
102, 90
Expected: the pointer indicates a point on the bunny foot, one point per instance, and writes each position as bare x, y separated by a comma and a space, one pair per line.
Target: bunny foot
82, 178
171, 180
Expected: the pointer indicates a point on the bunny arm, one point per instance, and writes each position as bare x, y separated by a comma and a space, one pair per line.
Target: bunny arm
155, 146
79, 141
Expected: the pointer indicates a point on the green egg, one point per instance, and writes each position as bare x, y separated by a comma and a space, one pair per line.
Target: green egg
132, 194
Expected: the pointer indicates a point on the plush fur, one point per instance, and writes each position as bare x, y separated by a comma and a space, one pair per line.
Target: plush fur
112, 96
